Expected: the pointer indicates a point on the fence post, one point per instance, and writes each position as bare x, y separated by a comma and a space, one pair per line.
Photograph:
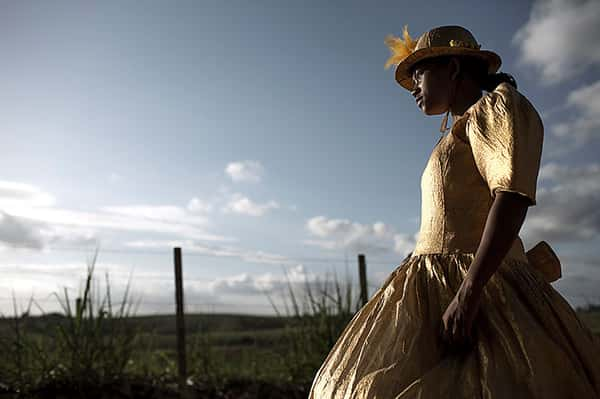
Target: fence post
362, 274
181, 366
78, 304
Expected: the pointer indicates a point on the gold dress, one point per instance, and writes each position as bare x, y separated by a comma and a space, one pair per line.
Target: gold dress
529, 342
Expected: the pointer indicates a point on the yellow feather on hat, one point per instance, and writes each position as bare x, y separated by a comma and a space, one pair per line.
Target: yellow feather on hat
400, 48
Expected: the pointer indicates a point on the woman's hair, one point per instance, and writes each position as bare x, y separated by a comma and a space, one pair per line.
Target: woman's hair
477, 69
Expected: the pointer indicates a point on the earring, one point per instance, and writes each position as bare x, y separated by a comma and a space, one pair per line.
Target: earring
444, 126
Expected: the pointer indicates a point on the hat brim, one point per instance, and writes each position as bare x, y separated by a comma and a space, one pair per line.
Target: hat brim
402, 70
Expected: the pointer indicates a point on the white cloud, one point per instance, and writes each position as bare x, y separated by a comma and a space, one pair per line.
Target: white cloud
584, 123
567, 211
296, 278
154, 289
560, 38
248, 284
238, 203
325, 244
114, 178
250, 171
156, 212
19, 232
252, 256
30, 220
20, 229
198, 205
124, 219
404, 243
320, 226
22, 194
561, 174
23, 232
345, 234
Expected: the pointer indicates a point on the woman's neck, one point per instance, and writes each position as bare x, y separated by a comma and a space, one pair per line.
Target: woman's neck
468, 94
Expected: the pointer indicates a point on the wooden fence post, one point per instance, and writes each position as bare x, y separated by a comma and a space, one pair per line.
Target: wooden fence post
181, 365
362, 274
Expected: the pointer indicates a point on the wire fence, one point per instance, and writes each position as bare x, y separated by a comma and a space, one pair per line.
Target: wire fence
254, 301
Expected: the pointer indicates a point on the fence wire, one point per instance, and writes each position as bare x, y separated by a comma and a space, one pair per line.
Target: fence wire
194, 305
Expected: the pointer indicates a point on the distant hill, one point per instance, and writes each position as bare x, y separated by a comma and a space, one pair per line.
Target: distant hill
165, 324
220, 322
590, 315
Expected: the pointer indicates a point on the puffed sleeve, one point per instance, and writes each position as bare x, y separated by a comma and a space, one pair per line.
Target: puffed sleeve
506, 134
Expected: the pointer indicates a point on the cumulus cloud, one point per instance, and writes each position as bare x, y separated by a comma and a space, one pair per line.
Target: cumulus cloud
560, 38
345, 234
320, 226
250, 171
249, 284
405, 243
584, 123
241, 204
567, 209
277, 287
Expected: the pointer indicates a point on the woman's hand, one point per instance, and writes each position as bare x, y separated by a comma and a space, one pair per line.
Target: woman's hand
457, 321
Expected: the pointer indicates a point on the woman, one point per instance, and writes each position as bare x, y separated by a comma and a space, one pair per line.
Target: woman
469, 314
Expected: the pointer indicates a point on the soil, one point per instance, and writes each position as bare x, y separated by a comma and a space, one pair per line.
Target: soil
234, 389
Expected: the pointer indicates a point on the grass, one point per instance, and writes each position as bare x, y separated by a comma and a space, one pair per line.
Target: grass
90, 346
590, 315
97, 344
316, 319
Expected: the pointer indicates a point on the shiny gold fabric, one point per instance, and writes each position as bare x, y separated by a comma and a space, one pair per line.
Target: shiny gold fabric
529, 341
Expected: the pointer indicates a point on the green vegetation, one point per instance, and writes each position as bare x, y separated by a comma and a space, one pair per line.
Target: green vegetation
96, 348
91, 344
590, 315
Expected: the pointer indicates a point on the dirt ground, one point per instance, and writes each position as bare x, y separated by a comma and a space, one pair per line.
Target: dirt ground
137, 390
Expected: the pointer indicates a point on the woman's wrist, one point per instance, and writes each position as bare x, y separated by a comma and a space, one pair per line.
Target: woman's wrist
480, 272
471, 286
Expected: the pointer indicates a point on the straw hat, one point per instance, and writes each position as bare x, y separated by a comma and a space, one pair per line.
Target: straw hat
443, 40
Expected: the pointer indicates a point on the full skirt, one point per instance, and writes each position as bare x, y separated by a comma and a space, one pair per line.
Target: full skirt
529, 342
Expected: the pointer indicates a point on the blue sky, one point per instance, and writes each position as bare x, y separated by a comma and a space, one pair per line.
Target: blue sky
261, 134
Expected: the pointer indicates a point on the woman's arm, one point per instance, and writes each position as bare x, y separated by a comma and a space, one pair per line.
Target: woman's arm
502, 226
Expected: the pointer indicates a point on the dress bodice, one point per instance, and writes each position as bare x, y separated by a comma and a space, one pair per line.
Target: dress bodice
495, 145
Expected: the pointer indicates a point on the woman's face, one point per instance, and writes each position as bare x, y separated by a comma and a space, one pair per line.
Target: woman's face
432, 85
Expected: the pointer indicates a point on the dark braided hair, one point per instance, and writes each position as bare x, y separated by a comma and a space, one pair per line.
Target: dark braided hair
493, 80
477, 68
